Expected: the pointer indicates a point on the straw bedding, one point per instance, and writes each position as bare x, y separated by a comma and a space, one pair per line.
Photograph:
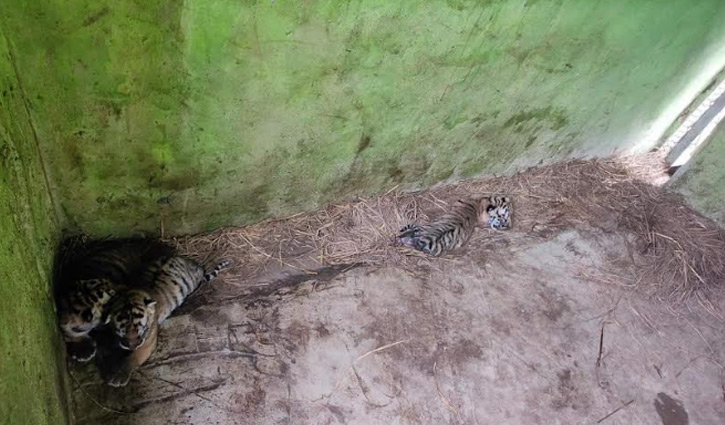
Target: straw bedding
677, 251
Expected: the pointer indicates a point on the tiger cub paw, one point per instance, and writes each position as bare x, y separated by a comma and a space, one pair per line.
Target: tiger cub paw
82, 351
497, 224
120, 378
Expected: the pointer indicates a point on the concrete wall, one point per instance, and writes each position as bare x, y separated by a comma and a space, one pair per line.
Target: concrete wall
702, 180
32, 377
219, 112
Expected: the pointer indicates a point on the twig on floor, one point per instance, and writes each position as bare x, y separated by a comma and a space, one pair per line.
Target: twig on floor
377, 350
608, 312
615, 411
707, 344
601, 346
440, 393
177, 385
96, 402
384, 347
677, 375
364, 388
195, 356
707, 305
168, 398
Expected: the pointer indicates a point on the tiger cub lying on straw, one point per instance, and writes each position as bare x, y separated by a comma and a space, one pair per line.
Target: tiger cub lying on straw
89, 275
134, 316
454, 229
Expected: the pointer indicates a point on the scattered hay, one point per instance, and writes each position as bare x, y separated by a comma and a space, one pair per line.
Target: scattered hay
678, 251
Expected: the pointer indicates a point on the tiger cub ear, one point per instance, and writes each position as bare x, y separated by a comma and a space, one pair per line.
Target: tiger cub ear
150, 302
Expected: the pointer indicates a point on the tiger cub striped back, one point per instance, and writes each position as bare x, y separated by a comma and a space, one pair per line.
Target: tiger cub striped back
168, 282
449, 232
171, 280
114, 259
454, 229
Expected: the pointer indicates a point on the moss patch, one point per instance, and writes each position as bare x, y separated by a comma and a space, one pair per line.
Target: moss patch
32, 374
235, 111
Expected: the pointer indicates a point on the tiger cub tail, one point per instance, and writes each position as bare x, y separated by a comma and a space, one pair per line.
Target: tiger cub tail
208, 277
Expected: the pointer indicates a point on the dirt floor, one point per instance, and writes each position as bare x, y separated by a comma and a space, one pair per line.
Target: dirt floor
545, 324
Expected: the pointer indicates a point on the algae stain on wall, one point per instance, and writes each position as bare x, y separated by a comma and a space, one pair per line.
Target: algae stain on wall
106, 86
32, 373
210, 113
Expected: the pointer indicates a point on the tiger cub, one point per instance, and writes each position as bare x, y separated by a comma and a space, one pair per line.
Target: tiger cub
87, 275
454, 229
80, 311
135, 315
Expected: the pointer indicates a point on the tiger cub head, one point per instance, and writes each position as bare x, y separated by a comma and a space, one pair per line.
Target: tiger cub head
131, 317
81, 308
494, 212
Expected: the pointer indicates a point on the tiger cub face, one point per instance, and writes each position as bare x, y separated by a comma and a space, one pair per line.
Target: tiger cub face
131, 317
81, 307
495, 212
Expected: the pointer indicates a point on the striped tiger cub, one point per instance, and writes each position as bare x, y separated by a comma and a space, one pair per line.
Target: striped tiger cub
454, 229
88, 274
80, 311
135, 315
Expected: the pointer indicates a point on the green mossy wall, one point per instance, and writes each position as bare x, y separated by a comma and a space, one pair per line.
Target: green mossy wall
32, 375
702, 180
220, 112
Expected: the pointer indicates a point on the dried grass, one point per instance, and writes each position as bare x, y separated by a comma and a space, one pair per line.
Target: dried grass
679, 251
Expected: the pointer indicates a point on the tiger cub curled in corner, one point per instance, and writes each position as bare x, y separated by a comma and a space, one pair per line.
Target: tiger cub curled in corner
134, 316
88, 274
454, 229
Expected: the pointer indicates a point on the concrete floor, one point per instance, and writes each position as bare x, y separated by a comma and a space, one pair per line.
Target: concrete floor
542, 332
